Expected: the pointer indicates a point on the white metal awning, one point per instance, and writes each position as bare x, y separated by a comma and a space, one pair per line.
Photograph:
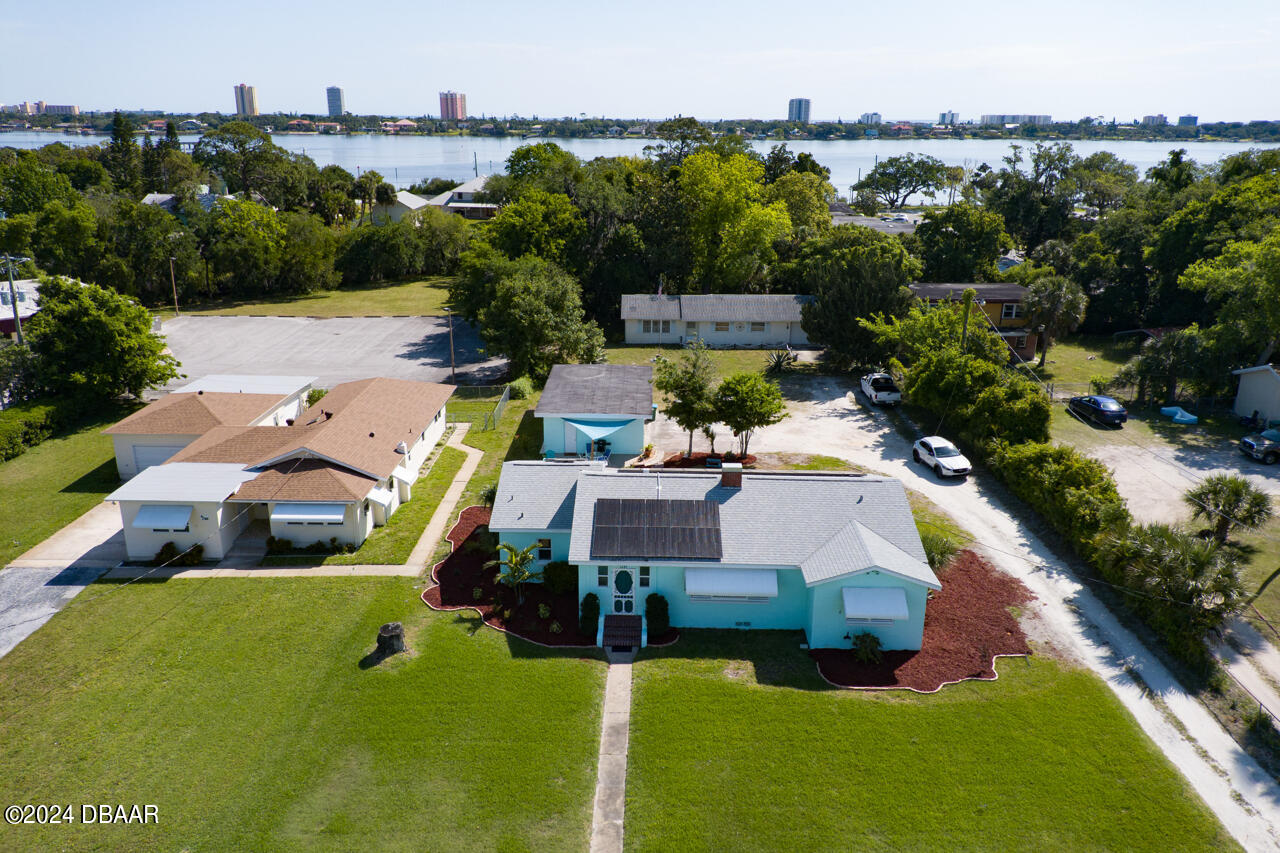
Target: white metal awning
382, 497
162, 517
733, 582
326, 513
875, 602
403, 476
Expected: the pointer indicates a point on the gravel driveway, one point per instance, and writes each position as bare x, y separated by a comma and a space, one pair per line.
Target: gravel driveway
1239, 792
338, 349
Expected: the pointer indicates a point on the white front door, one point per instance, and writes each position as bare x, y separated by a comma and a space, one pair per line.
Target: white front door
623, 584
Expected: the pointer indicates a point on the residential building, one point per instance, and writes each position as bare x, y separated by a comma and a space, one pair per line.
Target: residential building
40, 108
155, 433
246, 100
27, 298
405, 203
724, 320
329, 127
190, 124
1159, 120
1259, 392
169, 201
337, 105
1003, 306
871, 118
462, 200
1188, 121
334, 473
597, 411
1015, 118
833, 555
948, 118
453, 106
798, 110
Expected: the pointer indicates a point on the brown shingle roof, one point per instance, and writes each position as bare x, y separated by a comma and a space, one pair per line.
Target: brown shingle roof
359, 424
245, 445
306, 480
195, 413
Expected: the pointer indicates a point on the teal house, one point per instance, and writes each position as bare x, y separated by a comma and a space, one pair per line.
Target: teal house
832, 555
596, 411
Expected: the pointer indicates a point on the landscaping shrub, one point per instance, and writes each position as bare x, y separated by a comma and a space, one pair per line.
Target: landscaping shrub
544, 611
315, 395
521, 388
866, 648
489, 495
657, 614
24, 425
590, 618
561, 578
984, 400
476, 593
279, 546
555, 628
169, 555
939, 547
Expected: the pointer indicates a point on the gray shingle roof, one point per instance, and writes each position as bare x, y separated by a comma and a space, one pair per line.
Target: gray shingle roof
598, 389
993, 292
827, 526
537, 495
722, 307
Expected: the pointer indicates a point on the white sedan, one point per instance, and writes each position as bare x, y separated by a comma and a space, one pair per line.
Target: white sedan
942, 456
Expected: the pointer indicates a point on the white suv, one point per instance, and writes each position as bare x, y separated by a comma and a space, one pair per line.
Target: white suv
942, 456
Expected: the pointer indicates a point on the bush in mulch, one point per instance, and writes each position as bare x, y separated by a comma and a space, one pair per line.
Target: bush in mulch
460, 574
966, 625
699, 460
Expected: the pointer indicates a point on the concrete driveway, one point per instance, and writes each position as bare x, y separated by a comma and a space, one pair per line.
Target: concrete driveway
94, 540
825, 418
337, 349
30, 597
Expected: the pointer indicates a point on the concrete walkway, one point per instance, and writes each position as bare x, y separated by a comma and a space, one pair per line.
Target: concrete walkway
611, 777
439, 524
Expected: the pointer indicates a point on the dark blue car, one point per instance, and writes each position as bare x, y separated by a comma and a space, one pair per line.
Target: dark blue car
1102, 410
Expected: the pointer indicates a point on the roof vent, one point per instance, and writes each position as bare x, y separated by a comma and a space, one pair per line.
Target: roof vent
370, 435
731, 475
401, 447
199, 392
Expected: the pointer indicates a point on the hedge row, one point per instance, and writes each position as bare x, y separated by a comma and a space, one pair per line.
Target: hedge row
24, 425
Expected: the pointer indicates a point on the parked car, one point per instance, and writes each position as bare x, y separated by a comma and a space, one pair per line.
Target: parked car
1263, 446
880, 389
1099, 409
942, 456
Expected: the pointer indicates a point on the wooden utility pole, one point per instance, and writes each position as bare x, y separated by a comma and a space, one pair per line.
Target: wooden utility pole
173, 282
453, 373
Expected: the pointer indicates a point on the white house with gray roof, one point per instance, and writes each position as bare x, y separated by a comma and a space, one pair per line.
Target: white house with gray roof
832, 555
596, 410
721, 321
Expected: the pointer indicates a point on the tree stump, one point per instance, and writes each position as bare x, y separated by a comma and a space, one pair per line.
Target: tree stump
390, 639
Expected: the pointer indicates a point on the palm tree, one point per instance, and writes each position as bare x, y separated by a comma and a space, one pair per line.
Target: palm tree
515, 564
1228, 502
1058, 304
384, 195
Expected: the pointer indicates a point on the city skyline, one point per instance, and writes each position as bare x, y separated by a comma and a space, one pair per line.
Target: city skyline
1105, 59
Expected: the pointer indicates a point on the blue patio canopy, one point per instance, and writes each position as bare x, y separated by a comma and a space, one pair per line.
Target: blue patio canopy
597, 429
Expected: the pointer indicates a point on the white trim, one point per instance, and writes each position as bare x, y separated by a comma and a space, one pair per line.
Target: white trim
732, 584
328, 513
874, 605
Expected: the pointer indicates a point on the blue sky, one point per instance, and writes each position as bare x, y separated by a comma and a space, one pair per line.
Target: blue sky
1122, 58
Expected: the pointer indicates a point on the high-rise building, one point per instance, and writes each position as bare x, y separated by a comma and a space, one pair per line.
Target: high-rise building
1188, 121
1015, 118
870, 118
453, 106
336, 104
949, 117
1159, 120
246, 100
798, 110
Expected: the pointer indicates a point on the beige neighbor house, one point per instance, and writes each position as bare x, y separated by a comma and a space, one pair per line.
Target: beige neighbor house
723, 320
155, 433
343, 467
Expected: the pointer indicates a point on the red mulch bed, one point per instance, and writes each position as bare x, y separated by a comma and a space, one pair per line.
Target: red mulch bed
459, 574
965, 627
699, 460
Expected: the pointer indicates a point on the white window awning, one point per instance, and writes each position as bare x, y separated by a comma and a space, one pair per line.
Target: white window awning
875, 602
162, 517
731, 582
382, 497
403, 476
326, 513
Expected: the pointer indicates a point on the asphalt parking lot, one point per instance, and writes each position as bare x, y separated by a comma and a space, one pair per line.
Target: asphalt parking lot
335, 350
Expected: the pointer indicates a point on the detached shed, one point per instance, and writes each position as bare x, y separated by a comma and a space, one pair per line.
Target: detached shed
1259, 392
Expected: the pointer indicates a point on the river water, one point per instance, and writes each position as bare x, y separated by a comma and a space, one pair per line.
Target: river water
404, 160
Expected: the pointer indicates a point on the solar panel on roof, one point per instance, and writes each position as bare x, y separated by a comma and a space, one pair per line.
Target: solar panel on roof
655, 529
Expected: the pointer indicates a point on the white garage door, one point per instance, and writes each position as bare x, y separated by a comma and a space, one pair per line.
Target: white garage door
146, 455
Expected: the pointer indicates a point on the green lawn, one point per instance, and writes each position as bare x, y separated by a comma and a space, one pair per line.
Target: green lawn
392, 543
726, 361
243, 708
1079, 358
418, 297
736, 744
55, 483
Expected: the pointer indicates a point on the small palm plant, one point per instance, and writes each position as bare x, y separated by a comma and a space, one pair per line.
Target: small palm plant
516, 567
1229, 502
779, 361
